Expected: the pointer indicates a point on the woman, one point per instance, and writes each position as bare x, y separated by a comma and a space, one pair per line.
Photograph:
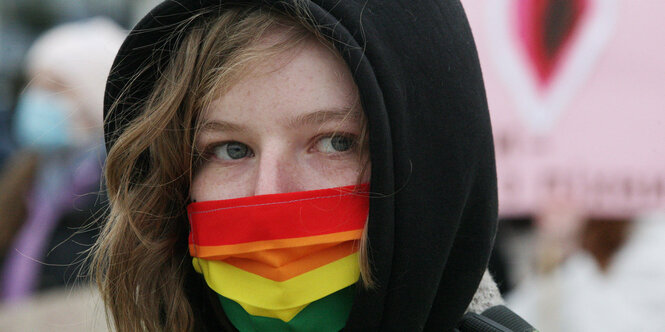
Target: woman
216, 112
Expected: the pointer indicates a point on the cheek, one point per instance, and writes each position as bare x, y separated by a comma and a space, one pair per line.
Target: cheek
200, 186
329, 173
216, 183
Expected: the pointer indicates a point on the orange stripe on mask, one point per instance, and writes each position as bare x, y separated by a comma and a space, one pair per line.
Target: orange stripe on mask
293, 267
221, 252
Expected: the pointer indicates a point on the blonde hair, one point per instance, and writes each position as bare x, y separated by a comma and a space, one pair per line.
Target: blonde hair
139, 261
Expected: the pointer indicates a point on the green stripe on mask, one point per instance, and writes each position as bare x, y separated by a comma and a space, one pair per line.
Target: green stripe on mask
327, 314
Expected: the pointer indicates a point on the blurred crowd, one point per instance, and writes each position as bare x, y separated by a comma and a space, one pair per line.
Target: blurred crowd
50, 193
55, 58
562, 266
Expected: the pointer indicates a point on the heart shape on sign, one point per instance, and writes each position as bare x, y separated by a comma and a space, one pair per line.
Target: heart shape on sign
545, 49
545, 28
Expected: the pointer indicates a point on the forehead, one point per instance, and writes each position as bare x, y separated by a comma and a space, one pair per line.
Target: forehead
307, 77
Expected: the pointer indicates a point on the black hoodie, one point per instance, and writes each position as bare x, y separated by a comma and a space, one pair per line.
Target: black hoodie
416, 67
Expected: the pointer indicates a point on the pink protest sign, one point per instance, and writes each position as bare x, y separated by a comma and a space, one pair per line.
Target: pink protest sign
576, 90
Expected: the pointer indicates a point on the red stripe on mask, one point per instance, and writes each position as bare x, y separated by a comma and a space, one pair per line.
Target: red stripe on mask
278, 216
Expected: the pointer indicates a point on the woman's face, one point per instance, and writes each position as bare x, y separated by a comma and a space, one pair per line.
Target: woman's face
292, 125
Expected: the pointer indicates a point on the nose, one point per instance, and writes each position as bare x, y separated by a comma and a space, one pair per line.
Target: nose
277, 173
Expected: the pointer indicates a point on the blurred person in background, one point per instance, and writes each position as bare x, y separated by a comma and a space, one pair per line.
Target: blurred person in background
48, 188
21, 23
595, 274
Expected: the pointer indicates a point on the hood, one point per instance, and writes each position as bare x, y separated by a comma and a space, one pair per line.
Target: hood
433, 218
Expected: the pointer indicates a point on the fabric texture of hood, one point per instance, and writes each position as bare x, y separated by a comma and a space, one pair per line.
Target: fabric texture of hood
433, 215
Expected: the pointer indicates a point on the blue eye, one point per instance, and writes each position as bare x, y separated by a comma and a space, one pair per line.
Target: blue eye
232, 151
337, 143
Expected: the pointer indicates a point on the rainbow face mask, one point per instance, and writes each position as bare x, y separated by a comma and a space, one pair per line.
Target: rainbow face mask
282, 262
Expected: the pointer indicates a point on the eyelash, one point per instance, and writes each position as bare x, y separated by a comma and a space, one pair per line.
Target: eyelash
352, 137
209, 150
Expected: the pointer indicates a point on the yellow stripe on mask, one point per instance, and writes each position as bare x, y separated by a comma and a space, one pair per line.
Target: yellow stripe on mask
285, 315
260, 296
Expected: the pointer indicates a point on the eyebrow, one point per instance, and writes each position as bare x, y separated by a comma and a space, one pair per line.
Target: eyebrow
324, 116
219, 125
309, 119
